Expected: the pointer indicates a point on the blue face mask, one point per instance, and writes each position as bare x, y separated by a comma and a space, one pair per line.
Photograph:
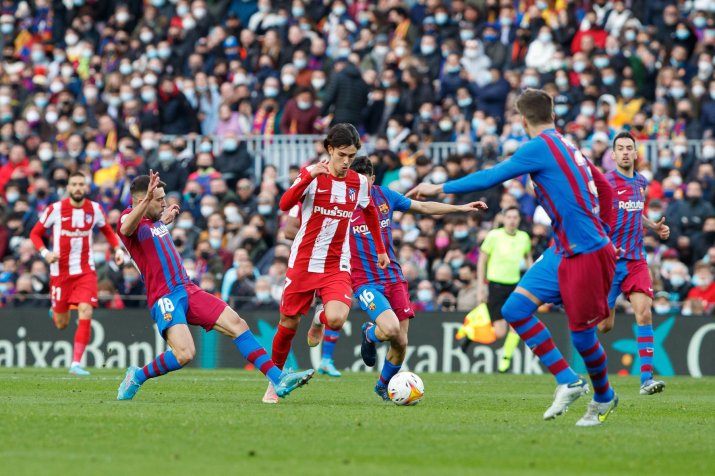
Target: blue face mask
682, 34
460, 234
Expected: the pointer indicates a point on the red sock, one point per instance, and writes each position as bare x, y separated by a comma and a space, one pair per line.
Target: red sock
81, 338
281, 345
323, 319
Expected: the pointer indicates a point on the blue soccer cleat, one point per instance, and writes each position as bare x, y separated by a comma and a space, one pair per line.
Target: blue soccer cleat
367, 349
292, 380
129, 387
381, 391
76, 369
327, 367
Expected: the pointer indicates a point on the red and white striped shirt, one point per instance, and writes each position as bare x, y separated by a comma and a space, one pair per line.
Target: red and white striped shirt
72, 236
322, 244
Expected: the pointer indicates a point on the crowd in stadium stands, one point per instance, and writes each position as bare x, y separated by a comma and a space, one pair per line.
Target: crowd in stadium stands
114, 88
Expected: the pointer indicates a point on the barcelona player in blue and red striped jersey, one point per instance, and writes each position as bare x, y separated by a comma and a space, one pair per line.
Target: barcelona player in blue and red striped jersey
577, 271
632, 273
382, 293
175, 301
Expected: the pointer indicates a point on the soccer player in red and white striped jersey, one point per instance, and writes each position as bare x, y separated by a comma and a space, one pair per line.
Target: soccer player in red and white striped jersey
73, 279
320, 257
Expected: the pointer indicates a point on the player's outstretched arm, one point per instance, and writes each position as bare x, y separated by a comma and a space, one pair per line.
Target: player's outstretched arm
131, 221
296, 191
36, 237
659, 227
437, 208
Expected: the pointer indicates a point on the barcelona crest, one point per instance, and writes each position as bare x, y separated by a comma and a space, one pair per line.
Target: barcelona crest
372, 306
167, 316
384, 209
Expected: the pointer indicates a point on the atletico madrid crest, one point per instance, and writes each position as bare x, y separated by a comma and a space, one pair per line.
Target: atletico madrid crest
352, 194
87, 217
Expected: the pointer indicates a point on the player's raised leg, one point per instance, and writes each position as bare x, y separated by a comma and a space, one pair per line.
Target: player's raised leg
81, 338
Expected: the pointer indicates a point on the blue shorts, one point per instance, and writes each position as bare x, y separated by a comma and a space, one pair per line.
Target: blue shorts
542, 279
170, 310
378, 298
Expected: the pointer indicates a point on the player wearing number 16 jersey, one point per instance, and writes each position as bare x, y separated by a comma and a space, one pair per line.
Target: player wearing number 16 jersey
73, 280
175, 301
320, 256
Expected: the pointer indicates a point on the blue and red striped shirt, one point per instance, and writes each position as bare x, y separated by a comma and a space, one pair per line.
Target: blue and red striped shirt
362, 246
564, 187
627, 216
152, 249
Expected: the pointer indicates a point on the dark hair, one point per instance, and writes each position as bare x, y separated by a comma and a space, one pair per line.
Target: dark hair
362, 165
77, 174
141, 185
624, 135
536, 105
342, 135
508, 209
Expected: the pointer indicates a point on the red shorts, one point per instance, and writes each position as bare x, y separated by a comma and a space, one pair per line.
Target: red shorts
203, 308
300, 289
66, 292
585, 281
632, 276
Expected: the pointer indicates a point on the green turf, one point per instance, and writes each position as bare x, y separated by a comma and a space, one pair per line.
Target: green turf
213, 422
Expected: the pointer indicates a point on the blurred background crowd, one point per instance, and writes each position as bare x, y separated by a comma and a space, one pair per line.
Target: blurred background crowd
114, 88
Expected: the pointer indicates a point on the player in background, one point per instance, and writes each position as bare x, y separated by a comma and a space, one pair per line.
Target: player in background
382, 293
320, 256
577, 271
73, 279
330, 336
502, 253
175, 301
632, 273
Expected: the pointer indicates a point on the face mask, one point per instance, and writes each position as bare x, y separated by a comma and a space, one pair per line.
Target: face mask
545, 38
445, 126
232, 215
490, 129
427, 49
199, 13
439, 177
148, 144
695, 281
150, 79
561, 109
7, 28
317, 83
146, 36
440, 18
463, 148
441, 242
391, 132
680, 149
682, 34
454, 69
166, 156
205, 147
516, 192
270, 92
600, 62
215, 243
424, 295
407, 227
531, 81
464, 102
628, 92
12, 197
288, 79
661, 308
185, 224
339, 10
456, 263
300, 63
466, 35
698, 90
71, 40
677, 281
148, 96
406, 183
63, 126
460, 234
99, 257
562, 82
125, 69
609, 80
708, 152
579, 66
56, 87
630, 35
45, 155
400, 51
655, 215
304, 105
677, 93
206, 210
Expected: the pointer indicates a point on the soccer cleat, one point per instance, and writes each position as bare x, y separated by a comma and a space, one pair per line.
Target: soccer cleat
270, 396
327, 367
129, 387
504, 365
651, 387
596, 413
381, 391
292, 380
367, 349
564, 396
76, 369
315, 333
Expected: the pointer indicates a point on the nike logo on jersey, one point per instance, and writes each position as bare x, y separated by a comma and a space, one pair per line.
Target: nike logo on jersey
353, 219
322, 191
592, 320
408, 309
65, 218
348, 297
621, 192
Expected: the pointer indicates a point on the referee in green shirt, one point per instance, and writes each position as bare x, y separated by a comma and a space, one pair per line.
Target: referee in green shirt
504, 253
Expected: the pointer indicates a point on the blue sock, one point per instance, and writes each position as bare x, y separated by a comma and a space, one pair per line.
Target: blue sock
645, 351
519, 312
163, 364
371, 336
255, 354
596, 362
388, 371
330, 338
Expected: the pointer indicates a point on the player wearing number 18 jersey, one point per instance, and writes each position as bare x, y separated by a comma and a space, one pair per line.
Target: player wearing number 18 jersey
330, 194
73, 280
632, 273
175, 301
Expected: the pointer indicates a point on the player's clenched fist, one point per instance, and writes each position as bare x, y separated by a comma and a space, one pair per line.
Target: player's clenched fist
383, 260
170, 214
319, 169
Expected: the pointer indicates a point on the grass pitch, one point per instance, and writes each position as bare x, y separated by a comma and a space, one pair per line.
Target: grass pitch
213, 422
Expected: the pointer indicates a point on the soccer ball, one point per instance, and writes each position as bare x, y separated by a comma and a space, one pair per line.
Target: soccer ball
406, 388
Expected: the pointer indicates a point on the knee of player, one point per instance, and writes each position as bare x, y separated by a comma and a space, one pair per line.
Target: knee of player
336, 319
185, 354
401, 341
391, 330
644, 317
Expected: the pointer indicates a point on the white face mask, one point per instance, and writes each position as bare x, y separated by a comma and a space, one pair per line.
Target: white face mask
206, 210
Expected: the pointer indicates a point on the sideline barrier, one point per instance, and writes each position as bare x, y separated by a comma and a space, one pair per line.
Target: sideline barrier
683, 345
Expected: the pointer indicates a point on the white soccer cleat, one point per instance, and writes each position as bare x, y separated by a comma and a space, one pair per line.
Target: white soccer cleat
315, 333
596, 413
564, 396
270, 396
651, 387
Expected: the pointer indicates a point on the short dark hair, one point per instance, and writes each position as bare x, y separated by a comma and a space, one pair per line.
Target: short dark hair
363, 165
77, 174
342, 135
508, 209
141, 185
624, 135
536, 105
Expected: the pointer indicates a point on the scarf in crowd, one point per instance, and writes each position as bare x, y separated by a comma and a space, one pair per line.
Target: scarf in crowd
264, 123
